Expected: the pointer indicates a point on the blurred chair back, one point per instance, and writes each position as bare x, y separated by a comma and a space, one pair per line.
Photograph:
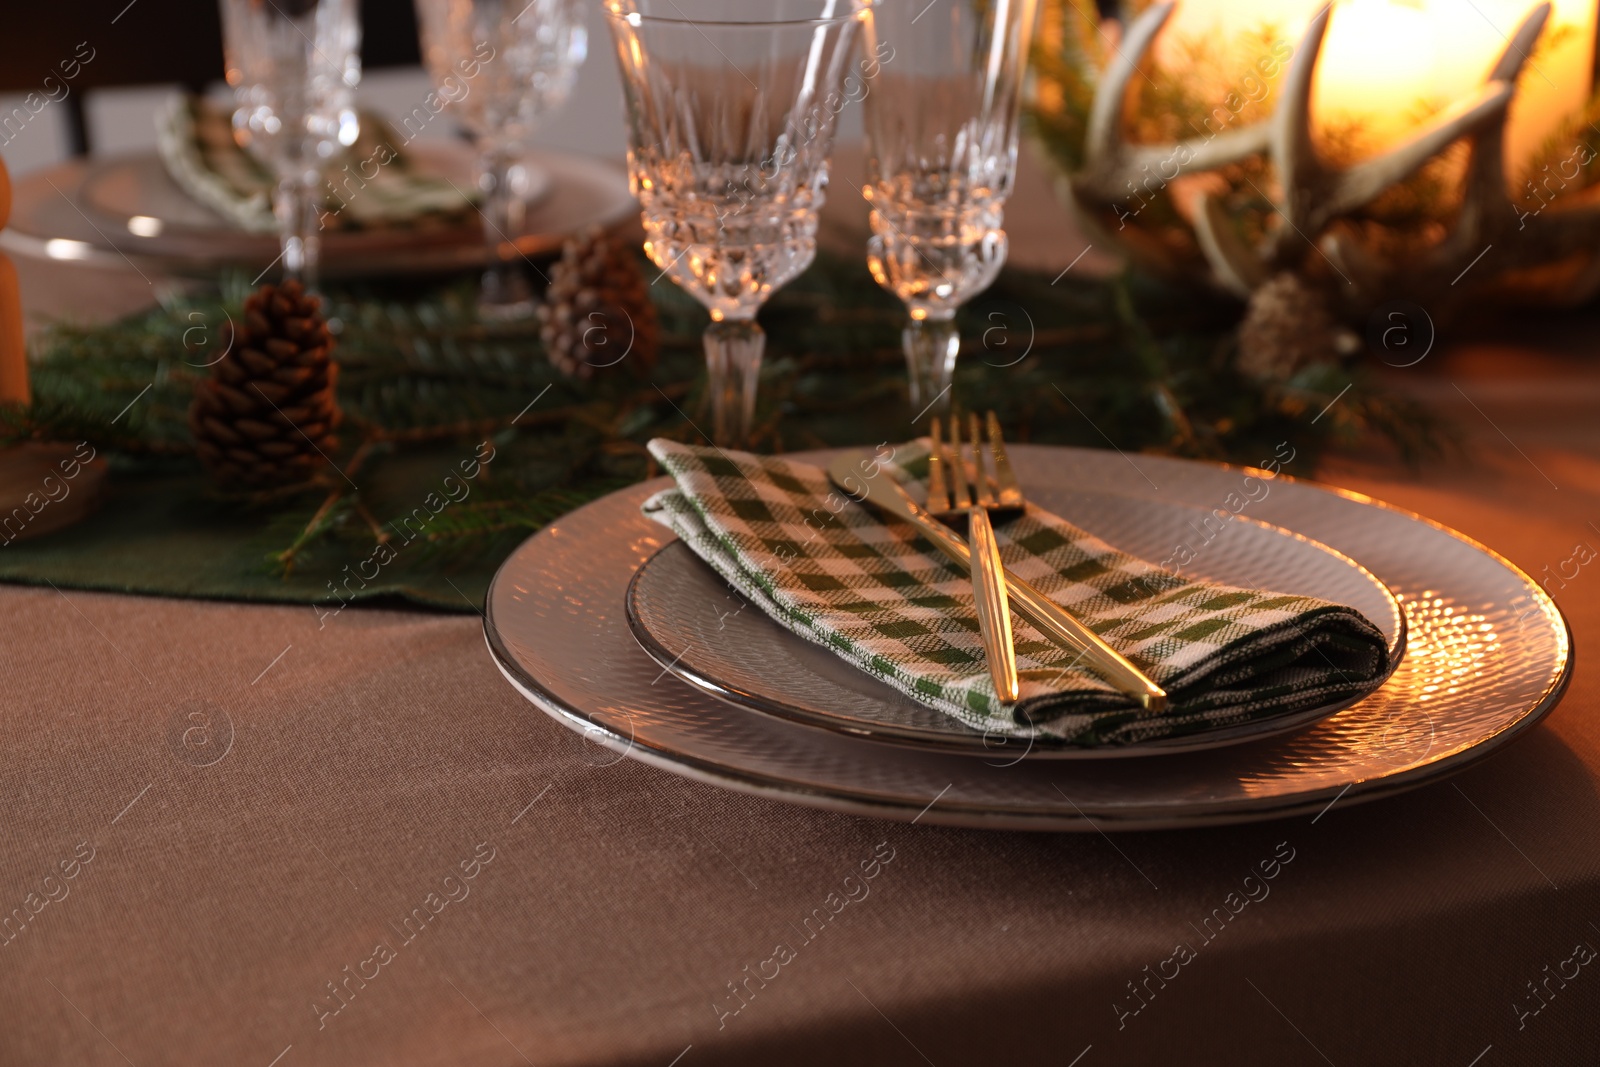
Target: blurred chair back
58, 51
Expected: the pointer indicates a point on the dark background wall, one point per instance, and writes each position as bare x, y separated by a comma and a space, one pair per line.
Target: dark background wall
156, 42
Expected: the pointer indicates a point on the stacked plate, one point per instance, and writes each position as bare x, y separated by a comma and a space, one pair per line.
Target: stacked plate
610, 625
129, 210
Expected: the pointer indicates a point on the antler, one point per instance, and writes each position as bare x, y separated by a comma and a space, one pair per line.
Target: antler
1113, 167
1488, 216
1312, 194
1485, 207
1110, 159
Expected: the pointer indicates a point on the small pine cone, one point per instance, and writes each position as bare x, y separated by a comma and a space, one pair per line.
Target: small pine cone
597, 312
1287, 327
266, 415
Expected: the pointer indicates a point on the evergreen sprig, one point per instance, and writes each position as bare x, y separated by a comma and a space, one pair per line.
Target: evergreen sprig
1126, 363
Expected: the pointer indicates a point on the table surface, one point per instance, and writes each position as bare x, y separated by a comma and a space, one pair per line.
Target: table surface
243, 835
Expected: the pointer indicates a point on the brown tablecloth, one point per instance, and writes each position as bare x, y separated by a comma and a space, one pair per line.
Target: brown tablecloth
232, 835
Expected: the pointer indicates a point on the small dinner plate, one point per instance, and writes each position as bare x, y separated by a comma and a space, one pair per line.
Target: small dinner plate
688, 619
135, 194
127, 210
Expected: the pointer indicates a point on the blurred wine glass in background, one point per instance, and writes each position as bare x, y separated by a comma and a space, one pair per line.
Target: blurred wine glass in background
502, 66
294, 66
941, 158
731, 107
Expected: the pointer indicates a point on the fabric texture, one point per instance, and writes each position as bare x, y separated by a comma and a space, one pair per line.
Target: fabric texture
195, 139
838, 573
627, 914
157, 532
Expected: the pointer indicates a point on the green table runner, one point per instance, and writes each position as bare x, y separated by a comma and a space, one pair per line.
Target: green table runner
425, 386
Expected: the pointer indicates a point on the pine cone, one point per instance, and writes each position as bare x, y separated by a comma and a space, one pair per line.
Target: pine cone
266, 415
598, 311
1288, 326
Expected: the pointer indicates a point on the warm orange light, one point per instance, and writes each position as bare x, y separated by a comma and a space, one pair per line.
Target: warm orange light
1387, 64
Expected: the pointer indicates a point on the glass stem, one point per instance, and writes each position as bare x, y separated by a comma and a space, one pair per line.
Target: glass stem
931, 345
733, 358
294, 202
505, 292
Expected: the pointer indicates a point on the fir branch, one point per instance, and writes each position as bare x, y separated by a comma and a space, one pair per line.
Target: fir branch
1150, 366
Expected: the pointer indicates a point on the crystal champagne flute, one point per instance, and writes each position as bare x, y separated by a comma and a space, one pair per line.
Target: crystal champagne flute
941, 157
294, 66
731, 108
502, 65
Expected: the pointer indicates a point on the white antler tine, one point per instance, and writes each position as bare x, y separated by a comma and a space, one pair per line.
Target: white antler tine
1485, 205
1104, 137
1519, 46
1300, 169
1234, 264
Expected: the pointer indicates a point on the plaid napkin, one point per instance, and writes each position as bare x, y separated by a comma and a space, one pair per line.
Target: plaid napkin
849, 578
373, 186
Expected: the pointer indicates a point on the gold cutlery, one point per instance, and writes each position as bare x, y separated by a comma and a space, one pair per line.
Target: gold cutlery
850, 473
953, 496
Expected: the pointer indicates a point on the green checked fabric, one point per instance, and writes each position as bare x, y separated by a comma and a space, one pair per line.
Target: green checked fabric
372, 186
846, 577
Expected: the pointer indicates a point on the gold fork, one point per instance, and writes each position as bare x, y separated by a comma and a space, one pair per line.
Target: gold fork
848, 472
952, 495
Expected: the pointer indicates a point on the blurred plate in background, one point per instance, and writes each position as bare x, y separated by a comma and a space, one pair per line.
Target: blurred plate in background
127, 210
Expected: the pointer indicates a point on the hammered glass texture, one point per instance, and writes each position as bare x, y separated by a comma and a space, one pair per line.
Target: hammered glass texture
685, 616
1487, 655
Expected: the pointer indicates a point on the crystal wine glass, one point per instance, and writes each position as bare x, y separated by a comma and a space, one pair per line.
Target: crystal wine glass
941, 157
294, 66
731, 107
502, 65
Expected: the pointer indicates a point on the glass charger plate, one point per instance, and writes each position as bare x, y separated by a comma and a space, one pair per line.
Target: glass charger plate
685, 616
1487, 655
82, 213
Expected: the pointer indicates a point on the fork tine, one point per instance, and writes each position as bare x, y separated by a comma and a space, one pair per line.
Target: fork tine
938, 493
1009, 492
958, 468
982, 494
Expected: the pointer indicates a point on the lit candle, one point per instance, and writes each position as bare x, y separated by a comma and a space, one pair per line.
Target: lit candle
1387, 64
13, 354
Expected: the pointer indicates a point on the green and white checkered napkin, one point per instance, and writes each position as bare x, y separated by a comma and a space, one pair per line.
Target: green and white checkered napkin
373, 186
868, 587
